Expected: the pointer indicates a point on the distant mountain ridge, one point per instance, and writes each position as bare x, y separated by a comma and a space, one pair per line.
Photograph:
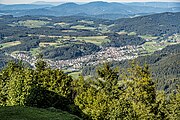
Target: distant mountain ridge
155, 4
47, 3
110, 10
22, 6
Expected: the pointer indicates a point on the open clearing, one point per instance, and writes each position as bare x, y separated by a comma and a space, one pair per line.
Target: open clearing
81, 27
9, 44
86, 21
132, 33
32, 23
35, 51
98, 40
149, 37
103, 28
153, 46
62, 24
68, 31
75, 75
122, 32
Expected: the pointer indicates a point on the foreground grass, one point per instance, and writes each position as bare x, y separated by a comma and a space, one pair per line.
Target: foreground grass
29, 113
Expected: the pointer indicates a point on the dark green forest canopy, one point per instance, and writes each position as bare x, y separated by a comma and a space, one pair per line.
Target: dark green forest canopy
70, 51
105, 97
157, 24
123, 40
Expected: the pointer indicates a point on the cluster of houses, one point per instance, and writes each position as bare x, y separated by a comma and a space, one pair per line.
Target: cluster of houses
105, 55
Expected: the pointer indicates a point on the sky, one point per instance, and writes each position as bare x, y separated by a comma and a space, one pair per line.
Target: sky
30, 1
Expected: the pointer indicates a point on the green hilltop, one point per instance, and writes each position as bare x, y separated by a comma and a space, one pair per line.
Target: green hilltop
30, 113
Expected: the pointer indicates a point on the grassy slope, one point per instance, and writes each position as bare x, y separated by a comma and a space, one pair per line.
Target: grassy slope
28, 113
9, 44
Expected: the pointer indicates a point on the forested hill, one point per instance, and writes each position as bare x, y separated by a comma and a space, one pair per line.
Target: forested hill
156, 24
173, 49
50, 35
165, 66
124, 40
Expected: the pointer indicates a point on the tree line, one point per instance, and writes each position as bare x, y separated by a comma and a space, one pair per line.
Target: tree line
111, 96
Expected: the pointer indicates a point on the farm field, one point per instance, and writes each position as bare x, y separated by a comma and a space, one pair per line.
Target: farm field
32, 23
153, 46
98, 40
9, 44
81, 27
122, 32
86, 21
62, 24
149, 37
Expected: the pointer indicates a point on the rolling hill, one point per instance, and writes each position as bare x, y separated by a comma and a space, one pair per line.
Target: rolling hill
156, 24
95, 9
22, 6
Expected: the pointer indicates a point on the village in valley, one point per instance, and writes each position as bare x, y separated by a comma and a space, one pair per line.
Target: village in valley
107, 54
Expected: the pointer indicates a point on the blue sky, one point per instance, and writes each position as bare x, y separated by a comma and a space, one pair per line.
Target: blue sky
30, 1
